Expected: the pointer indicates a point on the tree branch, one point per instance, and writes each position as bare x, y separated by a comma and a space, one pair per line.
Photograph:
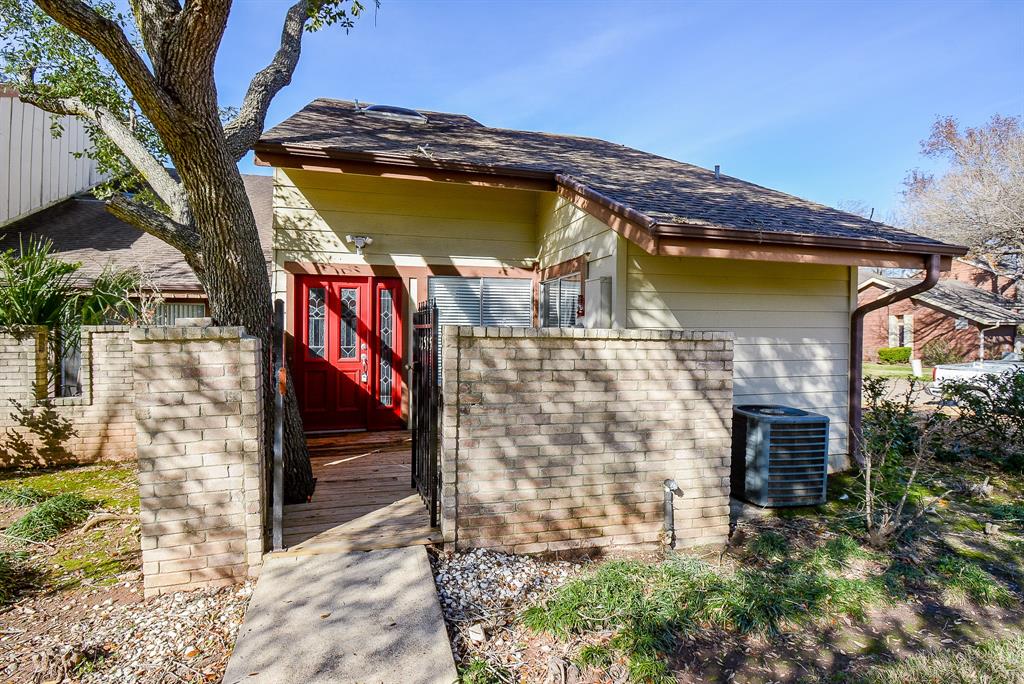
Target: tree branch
244, 130
182, 237
166, 188
108, 37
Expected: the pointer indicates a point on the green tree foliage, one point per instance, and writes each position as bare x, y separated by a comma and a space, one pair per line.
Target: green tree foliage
37, 288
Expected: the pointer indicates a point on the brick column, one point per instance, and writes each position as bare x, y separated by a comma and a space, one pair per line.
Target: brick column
22, 364
199, 430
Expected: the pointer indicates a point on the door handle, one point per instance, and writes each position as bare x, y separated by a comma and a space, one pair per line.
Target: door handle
365, 374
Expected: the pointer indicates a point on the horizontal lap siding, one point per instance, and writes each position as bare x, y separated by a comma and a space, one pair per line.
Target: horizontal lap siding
412, 222
566, 232
791, 323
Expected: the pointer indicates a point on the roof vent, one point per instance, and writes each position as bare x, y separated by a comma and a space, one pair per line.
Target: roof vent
392, 112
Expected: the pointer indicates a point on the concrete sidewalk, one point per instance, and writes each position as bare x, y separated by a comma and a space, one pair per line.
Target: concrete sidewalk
362, 617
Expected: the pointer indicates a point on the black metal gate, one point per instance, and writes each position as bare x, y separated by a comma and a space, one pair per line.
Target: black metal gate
426, 401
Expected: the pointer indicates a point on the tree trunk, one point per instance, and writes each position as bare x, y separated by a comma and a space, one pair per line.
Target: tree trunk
234, 274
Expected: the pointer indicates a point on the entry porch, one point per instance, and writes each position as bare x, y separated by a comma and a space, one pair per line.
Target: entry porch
364, 497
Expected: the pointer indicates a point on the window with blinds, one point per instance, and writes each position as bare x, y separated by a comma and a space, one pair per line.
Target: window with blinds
560, 301
167, 313
482, 301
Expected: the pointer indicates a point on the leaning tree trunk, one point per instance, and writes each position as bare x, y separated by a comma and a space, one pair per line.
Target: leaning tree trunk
234, 275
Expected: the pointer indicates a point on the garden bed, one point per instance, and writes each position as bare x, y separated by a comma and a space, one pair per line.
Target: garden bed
797, 596
71, 592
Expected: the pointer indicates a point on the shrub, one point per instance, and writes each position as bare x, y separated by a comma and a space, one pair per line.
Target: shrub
990, 422
894, 355
51, 517
939, 351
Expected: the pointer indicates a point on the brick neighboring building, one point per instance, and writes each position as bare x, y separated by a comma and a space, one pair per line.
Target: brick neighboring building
969, 305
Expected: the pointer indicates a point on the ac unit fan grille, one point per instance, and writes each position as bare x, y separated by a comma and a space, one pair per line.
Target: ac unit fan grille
797, 463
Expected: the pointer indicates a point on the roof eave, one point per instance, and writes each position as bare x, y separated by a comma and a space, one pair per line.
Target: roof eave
646, 231
705, 232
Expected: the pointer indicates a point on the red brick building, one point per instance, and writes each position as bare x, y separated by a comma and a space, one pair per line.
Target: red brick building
969, 306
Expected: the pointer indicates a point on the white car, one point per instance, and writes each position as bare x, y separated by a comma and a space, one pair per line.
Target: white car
1010, 363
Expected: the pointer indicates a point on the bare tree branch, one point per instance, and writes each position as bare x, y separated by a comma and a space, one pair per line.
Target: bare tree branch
166, 188
244, 130
108, 37
184, 238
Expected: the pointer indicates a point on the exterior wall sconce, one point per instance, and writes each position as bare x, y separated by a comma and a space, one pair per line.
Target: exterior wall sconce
359, 241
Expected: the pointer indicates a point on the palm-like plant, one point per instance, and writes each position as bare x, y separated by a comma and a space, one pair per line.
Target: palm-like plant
37, 288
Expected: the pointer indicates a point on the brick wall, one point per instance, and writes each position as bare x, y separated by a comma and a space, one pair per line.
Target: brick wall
102, 416
561, 439
199, 413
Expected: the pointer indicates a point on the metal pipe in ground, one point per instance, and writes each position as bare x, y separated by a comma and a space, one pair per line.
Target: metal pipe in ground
671, 489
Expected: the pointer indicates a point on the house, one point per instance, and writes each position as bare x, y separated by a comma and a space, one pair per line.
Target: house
378, 209
83, 231
37, 169
971, 308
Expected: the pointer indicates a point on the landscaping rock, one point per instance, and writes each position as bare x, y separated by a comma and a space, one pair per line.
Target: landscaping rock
107, 635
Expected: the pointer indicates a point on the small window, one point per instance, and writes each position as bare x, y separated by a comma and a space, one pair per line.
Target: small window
562, 299
168, 313
961, 323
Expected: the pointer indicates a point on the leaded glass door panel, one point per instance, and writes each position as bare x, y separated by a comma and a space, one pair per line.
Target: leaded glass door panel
347, 356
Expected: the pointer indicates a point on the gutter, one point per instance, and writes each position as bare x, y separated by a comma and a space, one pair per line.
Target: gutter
933, 267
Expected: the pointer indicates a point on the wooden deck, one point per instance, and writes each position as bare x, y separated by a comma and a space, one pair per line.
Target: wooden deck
364, 498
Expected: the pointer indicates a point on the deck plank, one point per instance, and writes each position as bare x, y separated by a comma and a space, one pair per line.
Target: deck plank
364, 499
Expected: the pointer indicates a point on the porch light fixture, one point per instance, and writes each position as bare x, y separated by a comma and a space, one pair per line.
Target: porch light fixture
359, 241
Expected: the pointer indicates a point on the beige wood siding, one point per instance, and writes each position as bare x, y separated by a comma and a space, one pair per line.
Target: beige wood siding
37, 169
567, 232
412, 223
791, 323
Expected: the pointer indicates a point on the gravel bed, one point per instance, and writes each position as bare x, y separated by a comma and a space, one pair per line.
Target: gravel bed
482, 592
483, 585
112, 635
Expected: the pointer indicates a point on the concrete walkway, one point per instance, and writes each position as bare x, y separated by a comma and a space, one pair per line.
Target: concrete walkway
362, 617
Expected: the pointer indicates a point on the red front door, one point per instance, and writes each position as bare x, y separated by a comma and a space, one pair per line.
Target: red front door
347, 360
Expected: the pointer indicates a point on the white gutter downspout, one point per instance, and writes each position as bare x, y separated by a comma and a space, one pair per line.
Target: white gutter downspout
981, 340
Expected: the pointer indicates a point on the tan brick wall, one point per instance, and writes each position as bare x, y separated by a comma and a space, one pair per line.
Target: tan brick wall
562, 439
102, 415
199, 431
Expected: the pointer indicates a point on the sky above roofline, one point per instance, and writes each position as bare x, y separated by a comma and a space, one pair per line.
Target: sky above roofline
827, 101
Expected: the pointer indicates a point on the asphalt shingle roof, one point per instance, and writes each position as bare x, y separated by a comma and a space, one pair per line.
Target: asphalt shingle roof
665, 190
962, 299
82, 230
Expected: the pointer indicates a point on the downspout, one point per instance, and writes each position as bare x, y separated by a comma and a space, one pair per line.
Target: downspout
933, 265
981, 339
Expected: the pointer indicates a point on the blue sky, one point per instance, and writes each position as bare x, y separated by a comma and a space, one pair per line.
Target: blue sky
826, 100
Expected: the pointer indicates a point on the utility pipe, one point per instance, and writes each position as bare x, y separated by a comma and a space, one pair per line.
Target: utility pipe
981, 339
933, 266
671, 489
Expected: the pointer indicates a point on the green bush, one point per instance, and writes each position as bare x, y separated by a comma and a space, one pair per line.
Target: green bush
939, 351
990, 423
51, 517
894, 355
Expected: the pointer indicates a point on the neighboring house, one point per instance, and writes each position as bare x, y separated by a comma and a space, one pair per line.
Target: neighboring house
83, 231
971, 308
37, 169
378, 209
